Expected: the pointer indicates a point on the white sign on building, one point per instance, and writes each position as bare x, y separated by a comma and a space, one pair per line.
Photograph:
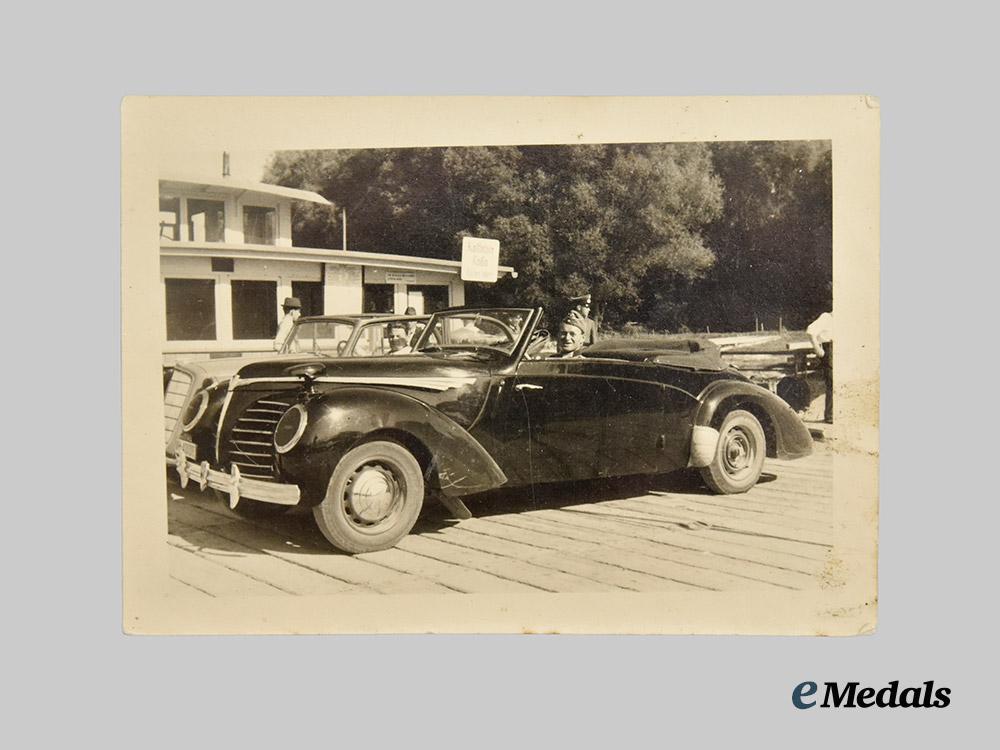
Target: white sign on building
480, 259
402, 277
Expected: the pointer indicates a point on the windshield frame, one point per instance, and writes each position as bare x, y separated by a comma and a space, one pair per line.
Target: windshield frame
314, 320
531, 317
358, 324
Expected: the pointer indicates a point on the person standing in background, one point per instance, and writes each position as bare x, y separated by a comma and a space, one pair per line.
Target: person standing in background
413, 328
292, 309
821, 335
581, 309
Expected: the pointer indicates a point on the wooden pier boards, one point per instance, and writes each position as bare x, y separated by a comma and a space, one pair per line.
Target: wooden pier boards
639, 535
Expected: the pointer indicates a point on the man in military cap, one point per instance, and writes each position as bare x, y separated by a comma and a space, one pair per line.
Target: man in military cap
292, 308
571, 337
581, 309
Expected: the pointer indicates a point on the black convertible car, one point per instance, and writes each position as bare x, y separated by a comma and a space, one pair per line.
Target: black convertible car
473, 408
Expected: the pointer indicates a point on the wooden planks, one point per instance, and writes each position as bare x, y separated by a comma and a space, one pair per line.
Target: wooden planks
660, 536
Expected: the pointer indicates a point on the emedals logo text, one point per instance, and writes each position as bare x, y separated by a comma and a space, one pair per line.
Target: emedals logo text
852, 695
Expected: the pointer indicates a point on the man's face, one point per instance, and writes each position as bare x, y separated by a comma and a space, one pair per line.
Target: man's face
397, 338
570, 339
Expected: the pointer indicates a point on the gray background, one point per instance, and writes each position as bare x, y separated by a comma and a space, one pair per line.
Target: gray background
74, 676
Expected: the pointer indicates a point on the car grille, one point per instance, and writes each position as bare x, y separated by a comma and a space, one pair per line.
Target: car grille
174, 399
251, 442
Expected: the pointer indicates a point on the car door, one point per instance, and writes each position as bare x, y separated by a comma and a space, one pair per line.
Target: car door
646, 430
562, 402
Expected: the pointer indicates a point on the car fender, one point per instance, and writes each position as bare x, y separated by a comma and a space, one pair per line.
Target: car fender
787, 436
204, 432
454, 462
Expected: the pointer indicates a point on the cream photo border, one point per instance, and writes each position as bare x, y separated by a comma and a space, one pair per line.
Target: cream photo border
158, 131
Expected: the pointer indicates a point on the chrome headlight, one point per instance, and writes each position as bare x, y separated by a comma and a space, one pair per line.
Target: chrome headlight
195, 410
289, 429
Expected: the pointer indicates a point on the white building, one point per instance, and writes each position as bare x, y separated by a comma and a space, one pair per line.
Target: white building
227, 262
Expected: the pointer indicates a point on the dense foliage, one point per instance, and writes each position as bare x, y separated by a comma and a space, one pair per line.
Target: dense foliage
664, 234
773, 241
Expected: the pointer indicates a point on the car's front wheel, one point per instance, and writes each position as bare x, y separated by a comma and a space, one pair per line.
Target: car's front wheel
373, 498
739, 455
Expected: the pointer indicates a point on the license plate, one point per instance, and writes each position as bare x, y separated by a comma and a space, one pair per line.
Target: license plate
190, 449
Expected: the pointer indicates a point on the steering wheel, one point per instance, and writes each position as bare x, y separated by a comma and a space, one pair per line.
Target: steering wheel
341, 346
536, 342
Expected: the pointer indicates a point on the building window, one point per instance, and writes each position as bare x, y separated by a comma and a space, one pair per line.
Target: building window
223, 265
259, 225
378, 298
170, 218
190, 309
206, 221
255, 309
311, 295
427, 298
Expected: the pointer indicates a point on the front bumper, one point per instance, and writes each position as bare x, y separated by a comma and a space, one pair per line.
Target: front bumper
234, 485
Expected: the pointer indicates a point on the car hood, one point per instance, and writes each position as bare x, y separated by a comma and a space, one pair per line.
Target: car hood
224, 368
362, 369
457, 389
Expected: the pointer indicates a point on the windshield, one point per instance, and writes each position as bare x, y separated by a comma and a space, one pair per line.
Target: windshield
493, 329
325, 338
337, 338
380, 339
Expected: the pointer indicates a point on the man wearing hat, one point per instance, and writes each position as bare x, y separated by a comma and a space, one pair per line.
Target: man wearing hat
571, 337
292, 308
581, 308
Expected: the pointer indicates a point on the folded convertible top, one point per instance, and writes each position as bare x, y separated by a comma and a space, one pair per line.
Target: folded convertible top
698, 354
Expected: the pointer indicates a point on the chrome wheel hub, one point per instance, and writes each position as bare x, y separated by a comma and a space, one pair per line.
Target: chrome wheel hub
738, 452
372, 494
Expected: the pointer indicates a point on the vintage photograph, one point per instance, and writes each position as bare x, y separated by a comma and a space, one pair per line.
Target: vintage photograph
583, 368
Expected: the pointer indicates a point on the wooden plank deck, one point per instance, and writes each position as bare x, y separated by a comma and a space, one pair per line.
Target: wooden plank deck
638, 534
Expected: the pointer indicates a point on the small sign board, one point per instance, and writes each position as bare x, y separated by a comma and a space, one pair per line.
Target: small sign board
400, 277
480, 259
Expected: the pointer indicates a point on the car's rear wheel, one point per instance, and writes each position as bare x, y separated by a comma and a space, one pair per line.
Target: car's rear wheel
739, 456
373, 498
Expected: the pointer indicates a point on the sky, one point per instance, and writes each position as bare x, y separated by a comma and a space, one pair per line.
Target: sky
243, 164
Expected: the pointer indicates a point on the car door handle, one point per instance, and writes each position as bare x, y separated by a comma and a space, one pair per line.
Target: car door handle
527, 387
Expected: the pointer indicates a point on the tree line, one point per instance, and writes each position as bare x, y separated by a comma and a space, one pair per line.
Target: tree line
670, 236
